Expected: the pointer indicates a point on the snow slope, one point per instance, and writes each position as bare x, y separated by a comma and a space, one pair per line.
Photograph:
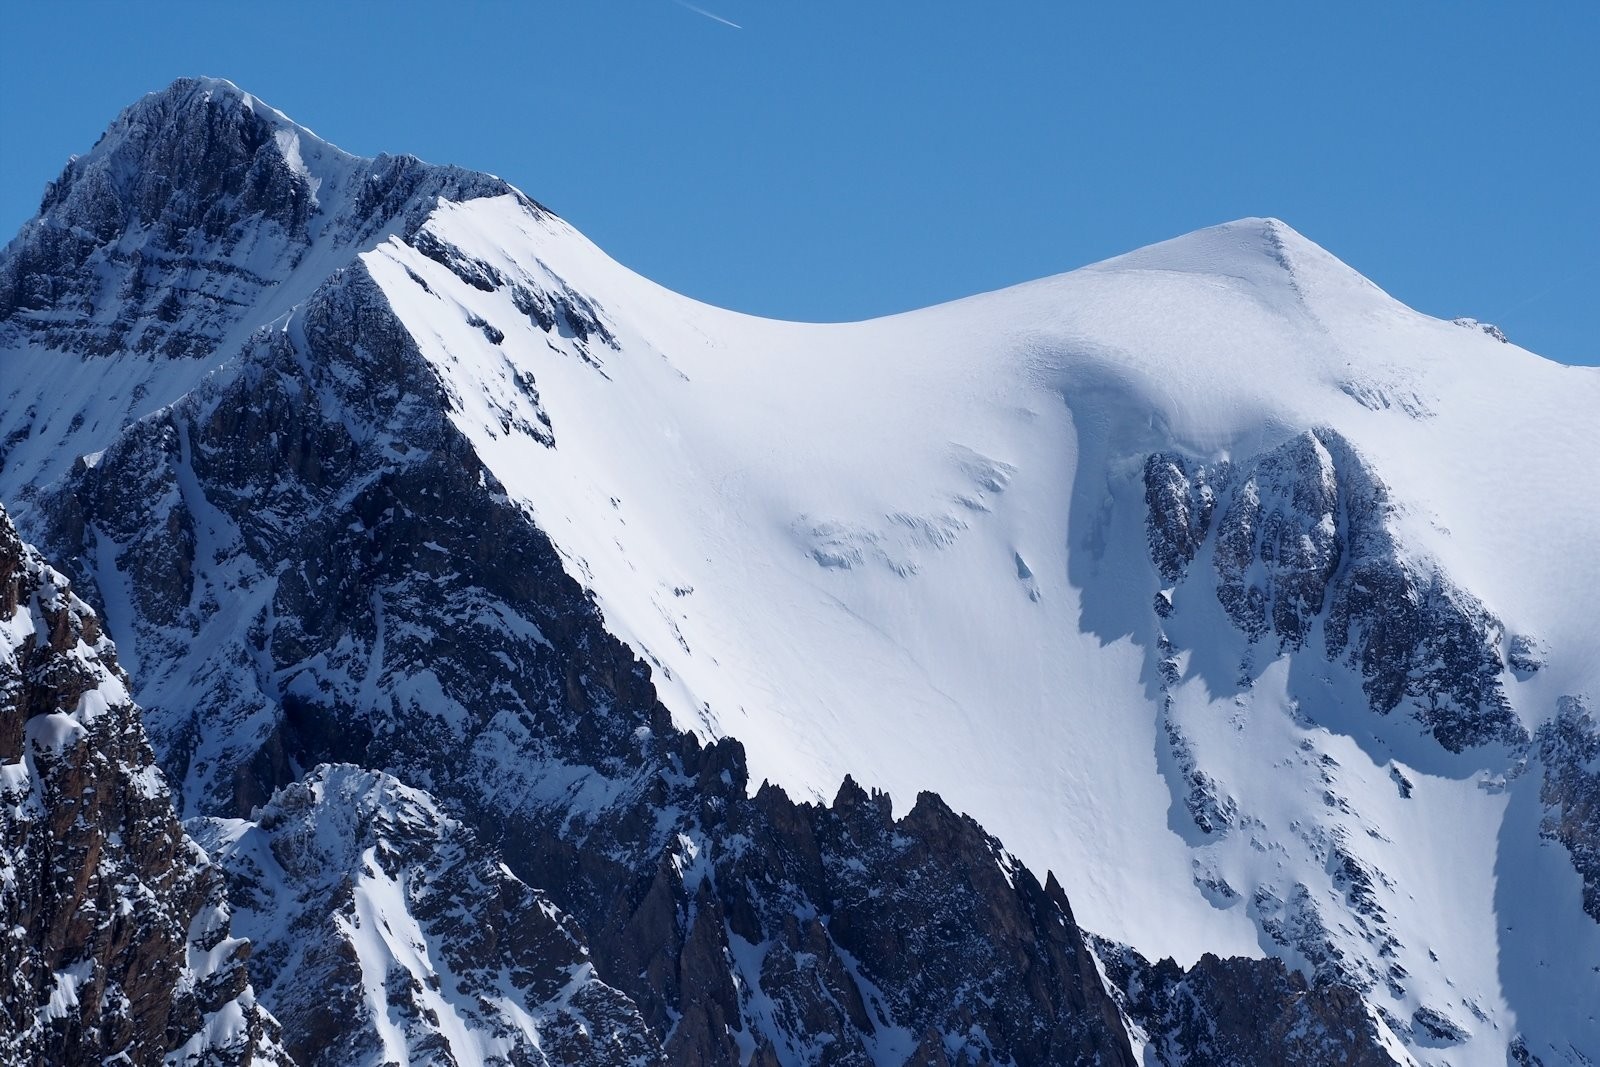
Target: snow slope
913, 549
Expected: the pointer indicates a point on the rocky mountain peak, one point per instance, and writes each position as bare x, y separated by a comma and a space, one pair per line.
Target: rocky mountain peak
199, 216
190, 217
203, 140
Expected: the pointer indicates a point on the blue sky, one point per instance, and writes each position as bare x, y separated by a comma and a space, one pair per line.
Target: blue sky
833, 160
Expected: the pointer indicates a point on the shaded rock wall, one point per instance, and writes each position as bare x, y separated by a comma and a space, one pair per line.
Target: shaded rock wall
118, 942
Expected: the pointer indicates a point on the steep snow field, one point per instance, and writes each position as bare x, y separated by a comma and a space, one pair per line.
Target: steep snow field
913, 549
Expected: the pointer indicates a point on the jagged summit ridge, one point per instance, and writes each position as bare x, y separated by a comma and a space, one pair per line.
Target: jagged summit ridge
157, 108
200, 176
200, 153
178, 141
173, 114
200, 216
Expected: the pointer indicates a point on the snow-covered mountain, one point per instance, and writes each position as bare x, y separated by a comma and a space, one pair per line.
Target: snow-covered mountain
1255, 606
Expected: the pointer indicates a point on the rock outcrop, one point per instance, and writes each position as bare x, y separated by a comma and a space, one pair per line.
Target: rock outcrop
1568, 748
382, 924
1305, 541
117, 944
195, 205
1248, 1013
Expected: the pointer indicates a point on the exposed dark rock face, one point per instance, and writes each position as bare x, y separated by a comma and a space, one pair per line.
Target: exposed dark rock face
1487, 327
118, 945
1568, 747
1524, 654
1293, 918
1284, 517
200, 215
849, 936
1181, 498
1413, 633
1305, 539
1307, 565
1439, 1027
1208, 805
1243, 1012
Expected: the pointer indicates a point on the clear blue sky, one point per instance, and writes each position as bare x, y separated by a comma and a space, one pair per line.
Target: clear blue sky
835, 160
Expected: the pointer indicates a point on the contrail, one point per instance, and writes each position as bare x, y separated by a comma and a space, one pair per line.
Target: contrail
1556, 285
709, 15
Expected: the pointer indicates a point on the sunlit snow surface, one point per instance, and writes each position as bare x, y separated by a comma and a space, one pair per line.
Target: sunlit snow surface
913, 549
